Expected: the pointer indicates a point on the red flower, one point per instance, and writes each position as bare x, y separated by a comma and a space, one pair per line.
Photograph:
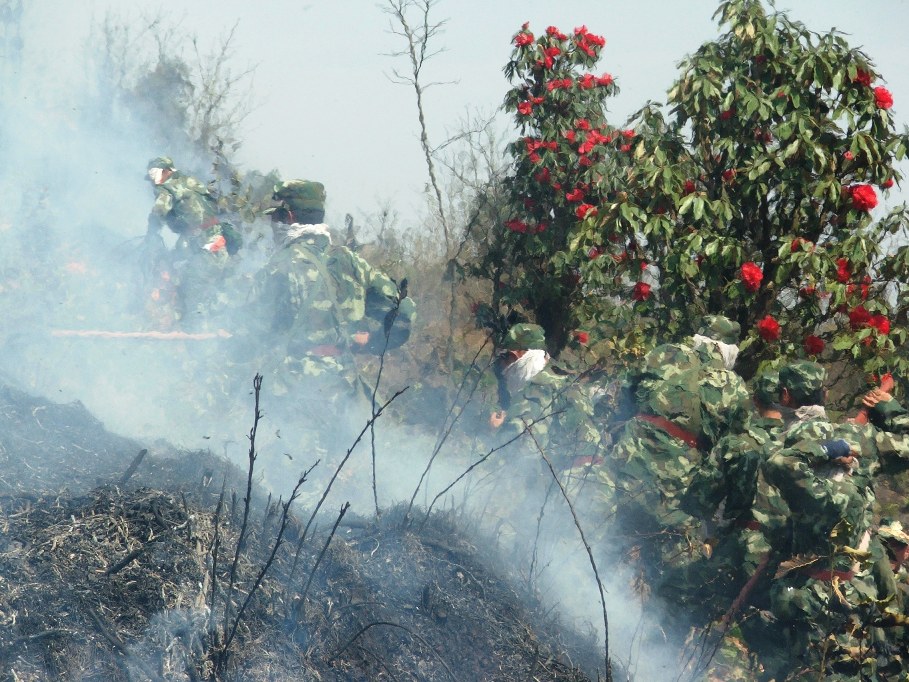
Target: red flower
690, 187
863, 197
534, 158
555, 33
525, 108
814, 345
594, 252
881, 323
842, 270
542, 177
516, 225
848, 156
726, 115
859, 317
768, 328
587, 81
523, 39
581, 337
583, 124
728, 175
585, 210
887, 184
862, 77
628, 134
575, 195
798, 243
625, 148
604, 80
807, 292
569, 135
882, 98
641, 291
751, 276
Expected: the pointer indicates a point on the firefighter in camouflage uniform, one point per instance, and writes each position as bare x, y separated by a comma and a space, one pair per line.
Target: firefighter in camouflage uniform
323, 305
686, 399
184, 282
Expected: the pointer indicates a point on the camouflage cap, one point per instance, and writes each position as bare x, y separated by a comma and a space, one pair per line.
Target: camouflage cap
891, 529
720, 328
803, 379
525, 336
765, 387
162, 162
298, 196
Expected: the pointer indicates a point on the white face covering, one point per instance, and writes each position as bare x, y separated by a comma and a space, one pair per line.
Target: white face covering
156, 175
729, 351
524, 369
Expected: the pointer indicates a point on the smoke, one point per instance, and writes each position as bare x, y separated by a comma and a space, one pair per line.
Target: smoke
73, 206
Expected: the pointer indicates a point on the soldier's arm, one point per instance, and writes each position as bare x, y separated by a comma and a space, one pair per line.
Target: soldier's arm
885, 412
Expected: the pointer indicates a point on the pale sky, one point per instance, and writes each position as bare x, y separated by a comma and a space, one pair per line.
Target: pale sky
326, 109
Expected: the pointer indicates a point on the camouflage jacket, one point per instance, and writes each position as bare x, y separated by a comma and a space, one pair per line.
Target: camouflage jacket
569, 432
729, 473
648, 459
316, 297
187, 207
831, 504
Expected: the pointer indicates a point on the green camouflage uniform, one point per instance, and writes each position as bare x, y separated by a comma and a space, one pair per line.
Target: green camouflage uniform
887, 619
565, 427
815, 597
683, 411
315, 297
196, 266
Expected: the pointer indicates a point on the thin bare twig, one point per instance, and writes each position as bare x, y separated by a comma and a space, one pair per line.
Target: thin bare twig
334, 529
285, 517
478, 463
247, 501
315, 511
593, 563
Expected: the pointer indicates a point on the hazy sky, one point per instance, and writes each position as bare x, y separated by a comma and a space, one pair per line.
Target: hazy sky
326, 109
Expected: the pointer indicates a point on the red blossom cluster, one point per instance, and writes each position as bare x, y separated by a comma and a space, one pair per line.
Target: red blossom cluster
882, 98
585, 211
641, 291
559, 84
768, 328
860, 317
751, 276
798, 243
863, 197
690, 187
549, 55
523, 39
887, 184
581, 337
587, 42
814, 345
594, 137
843, 270
862, 77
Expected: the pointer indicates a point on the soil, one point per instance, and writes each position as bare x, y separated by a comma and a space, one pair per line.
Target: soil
119, 561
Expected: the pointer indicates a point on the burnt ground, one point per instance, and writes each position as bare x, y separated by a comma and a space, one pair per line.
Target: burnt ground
111, 571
